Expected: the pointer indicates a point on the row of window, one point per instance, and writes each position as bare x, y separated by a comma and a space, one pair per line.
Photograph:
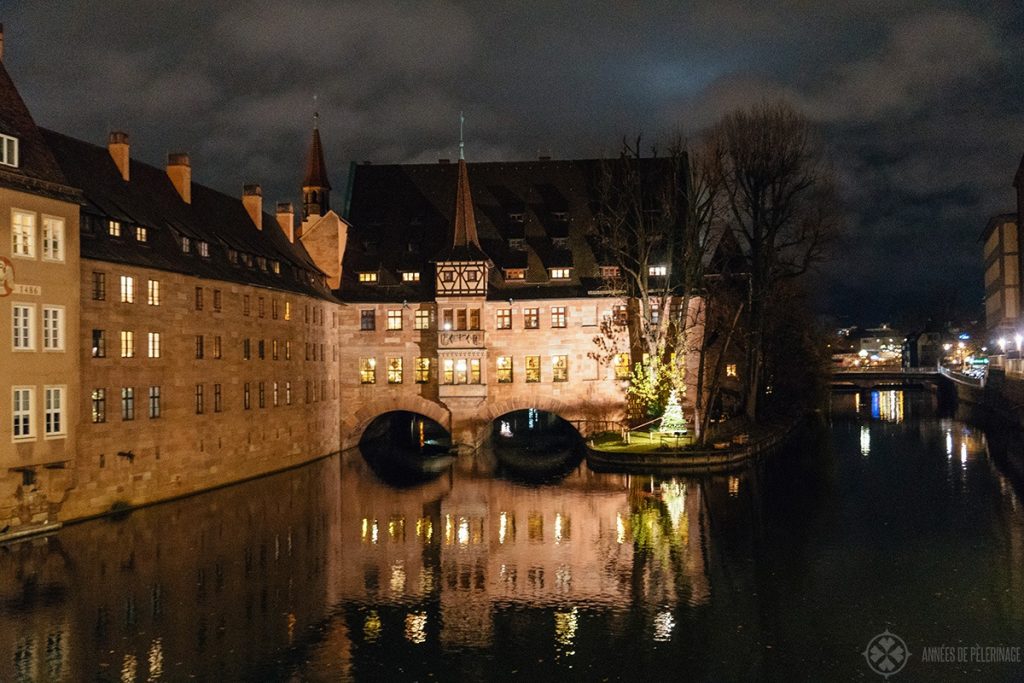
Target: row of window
24, 235
128, 295
464, 318
464, 370
563, 273
213, 349
23, 412
280, 393
23, 327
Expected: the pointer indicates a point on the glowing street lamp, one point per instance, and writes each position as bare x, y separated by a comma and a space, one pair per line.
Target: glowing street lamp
1018, 339
1002, 344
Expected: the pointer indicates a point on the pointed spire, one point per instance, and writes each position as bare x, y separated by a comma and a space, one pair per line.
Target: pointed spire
316, 188
465, 221
462, 142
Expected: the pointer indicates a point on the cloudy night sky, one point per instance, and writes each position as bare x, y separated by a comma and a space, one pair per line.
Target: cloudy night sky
921, 103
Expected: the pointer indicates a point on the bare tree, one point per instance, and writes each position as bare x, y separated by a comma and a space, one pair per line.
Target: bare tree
781, 201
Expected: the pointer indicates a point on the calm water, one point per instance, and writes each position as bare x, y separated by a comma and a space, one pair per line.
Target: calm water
887, 517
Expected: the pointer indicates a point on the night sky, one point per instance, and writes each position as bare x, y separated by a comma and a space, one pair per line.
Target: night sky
920, 103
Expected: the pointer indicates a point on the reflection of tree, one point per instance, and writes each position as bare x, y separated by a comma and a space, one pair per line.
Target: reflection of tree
660, 530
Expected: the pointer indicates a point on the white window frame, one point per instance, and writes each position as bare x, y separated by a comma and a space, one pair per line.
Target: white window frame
53, 335
153, 345
114, 228
153, 292
27, 413
26, 246
30, 327
127, 339
127, 289
53, 238
9, 150
54, 408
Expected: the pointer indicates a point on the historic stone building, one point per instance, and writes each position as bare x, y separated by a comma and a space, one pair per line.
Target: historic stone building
1001, 240
164, 338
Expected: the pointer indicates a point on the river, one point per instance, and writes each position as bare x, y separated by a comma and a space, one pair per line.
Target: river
885, 516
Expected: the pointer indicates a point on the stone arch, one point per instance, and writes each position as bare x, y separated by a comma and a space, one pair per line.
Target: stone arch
355, 422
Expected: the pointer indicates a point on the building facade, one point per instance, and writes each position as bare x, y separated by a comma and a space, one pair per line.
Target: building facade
1002, 254
164, 338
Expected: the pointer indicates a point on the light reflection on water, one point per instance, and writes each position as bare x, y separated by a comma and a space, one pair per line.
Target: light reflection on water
327, 573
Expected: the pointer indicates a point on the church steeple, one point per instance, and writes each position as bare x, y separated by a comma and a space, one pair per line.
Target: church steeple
316, 189
465, 221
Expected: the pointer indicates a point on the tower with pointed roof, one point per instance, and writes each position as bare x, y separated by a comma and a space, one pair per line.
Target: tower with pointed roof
316, 188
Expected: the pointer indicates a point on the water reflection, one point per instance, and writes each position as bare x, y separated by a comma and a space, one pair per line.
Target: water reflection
330, 573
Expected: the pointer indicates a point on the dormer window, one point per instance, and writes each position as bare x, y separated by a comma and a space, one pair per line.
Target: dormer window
560, 242
560, 273
233, 255
141, 234
410, 276
247, 260
516, 217
609, 272
447, 276
472, 276
261, 263
204, 248
368, 278
276, 267
186, 245
657, 271
114, 228
560, 216
8, 150
517, 243
515, 273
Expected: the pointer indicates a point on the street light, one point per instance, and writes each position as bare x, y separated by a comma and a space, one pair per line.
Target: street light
1002, 344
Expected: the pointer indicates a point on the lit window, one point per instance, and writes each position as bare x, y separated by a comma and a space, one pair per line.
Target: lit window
474, 318
204, 249
153, 292
287, 310
558, 316
23, 234
53, 423
186, 245
560, 368
246, 397
515, 273
127, 344
395, 319
275, 395
23, 323
533, 368
21, 409
394, 370
531, 318
422, 370
53, 328
8, 150
127, 403
560, 273
410, 276
288, 393
423, 319
368, 277
622, 370
504, 369
114, 228
609, 272
53, 238
504, 319
127, 289
367, 320
658, 271
141, 234
730, 370
620, 314
99, 405
368, 370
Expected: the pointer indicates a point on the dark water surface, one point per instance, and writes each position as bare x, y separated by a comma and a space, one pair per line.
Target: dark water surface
885, 516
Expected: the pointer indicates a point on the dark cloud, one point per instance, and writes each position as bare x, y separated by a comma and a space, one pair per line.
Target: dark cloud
920, 103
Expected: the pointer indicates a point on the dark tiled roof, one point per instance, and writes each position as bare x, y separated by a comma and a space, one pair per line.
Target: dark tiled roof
150, 200
546, 207
37, 170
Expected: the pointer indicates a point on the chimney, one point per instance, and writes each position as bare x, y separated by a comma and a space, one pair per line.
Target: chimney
252, 200
286, 219
1, 42
117, 145
180, 172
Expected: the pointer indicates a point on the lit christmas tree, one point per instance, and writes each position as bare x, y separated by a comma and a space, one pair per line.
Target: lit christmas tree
672, 421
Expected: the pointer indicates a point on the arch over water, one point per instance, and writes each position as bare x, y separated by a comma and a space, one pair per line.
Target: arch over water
406, 429
354, 424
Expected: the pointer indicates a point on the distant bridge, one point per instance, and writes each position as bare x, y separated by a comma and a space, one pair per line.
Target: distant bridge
875, 377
